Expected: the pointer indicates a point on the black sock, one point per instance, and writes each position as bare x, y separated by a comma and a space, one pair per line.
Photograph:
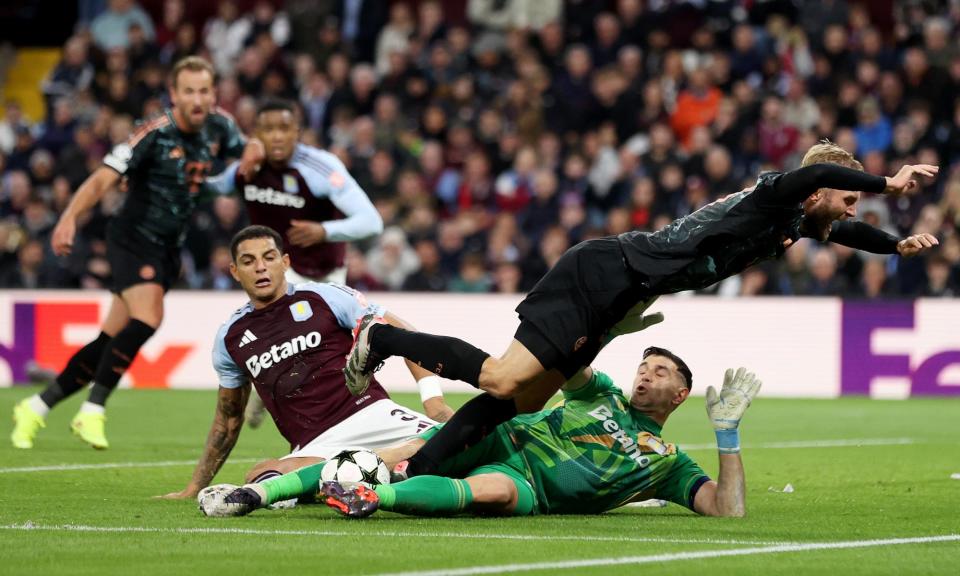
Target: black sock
443, 355
78, 372
117, 358
470, 424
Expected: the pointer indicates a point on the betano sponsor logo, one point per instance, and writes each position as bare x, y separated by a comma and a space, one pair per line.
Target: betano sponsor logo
270, 196
258, 362
628, 444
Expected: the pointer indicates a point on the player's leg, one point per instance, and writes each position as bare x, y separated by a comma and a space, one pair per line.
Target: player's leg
494, 490
144, 304
29, 414
392, 455
277, 467
533, 397
527, 356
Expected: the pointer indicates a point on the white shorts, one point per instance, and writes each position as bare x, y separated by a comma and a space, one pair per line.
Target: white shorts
336, 276
380, 424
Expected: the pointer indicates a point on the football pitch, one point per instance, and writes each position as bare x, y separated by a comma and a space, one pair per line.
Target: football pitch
872, 494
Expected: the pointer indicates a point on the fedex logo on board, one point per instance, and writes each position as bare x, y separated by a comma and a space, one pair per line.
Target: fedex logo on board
38, 333
931, 369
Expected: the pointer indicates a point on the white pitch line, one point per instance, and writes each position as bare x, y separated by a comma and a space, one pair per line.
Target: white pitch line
28, 526
843, 443
108, 465
671, 557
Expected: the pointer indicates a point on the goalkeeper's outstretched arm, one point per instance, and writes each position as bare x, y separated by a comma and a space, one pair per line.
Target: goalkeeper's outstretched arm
726, 496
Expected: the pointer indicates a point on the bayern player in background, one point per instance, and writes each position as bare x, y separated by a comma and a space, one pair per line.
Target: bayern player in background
291, 341
308, 196
164, 165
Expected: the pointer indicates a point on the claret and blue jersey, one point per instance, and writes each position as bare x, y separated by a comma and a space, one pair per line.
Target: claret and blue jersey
294, 351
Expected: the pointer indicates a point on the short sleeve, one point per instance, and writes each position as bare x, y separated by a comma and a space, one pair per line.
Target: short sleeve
232, 140
680, 483
132, 154
230, 375
598, 385
348, 305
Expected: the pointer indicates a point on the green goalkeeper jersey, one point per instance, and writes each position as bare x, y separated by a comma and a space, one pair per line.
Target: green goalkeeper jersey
594, 453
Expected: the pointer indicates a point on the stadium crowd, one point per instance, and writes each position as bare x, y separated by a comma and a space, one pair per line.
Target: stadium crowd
494, 134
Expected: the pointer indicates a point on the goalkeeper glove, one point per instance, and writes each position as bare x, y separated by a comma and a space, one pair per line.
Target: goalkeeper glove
634, 321
726, 408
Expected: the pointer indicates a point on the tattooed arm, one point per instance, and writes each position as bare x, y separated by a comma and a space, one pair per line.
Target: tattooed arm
220, 441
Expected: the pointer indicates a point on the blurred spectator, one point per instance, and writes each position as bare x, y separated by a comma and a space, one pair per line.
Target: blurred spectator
29, 273
873, 130
218, 276
473, 276
429, 277
512, 14
777, 139
873, 282
360, 24
72, 74
940, 284
392, 260
358, 276
224, 36
395, 36
696, 105
109, 29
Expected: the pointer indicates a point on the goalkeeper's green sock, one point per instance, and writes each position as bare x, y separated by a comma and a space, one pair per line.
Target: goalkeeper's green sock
425, 496
297, 484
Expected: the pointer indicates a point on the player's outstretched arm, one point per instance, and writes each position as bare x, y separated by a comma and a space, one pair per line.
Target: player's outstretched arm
862, 236
431, 394
220, 441
797, 185
87, 196
726, 496
906, 180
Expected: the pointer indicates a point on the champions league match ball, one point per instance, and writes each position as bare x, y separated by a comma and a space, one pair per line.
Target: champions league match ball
352, 467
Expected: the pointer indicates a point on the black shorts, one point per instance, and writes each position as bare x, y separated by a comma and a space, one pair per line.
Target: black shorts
133, 263
564, 317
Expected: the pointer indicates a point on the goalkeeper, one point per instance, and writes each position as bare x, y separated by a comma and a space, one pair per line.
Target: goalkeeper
596, 451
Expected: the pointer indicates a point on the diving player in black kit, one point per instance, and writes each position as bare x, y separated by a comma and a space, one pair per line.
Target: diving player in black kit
565, 319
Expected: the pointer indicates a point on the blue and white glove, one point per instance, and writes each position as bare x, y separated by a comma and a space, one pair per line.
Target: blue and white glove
726, 408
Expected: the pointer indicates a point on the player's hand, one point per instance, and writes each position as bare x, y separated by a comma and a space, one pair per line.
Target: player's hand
253, 155
726, 408
905, 181
306, 233
916, 244
63, 234
187, 493
634, 321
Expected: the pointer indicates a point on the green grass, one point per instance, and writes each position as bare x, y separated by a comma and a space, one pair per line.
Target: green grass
841, 494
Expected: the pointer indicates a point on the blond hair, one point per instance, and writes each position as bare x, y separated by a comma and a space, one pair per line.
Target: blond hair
193, 64
826, 152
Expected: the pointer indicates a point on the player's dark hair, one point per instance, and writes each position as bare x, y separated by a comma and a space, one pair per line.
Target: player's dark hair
682, 367
276, 105
252, 232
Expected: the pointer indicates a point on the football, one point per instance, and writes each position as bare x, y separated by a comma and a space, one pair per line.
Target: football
352, 467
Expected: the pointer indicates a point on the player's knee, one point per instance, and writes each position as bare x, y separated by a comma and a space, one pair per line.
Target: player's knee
502, 389
493, 493
261, 469
496, 379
